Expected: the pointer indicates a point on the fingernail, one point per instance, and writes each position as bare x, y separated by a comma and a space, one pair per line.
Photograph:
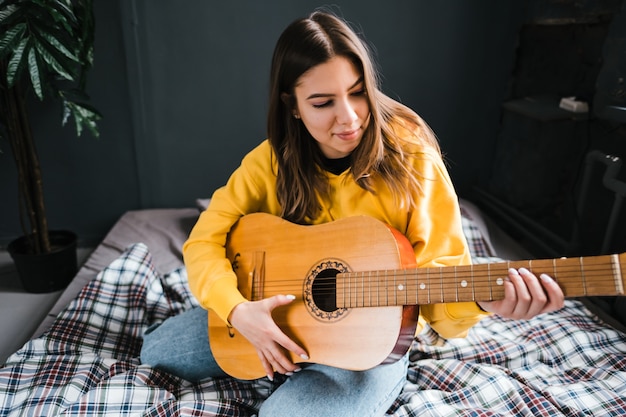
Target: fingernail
270, 378
291, 297
546, 278
288, 373
523, 271
304, 356
297, 369
513, 271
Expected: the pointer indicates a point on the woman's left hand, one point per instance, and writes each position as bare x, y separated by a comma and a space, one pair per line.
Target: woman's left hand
526, 296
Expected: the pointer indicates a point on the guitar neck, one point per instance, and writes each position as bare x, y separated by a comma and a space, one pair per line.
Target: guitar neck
577, 277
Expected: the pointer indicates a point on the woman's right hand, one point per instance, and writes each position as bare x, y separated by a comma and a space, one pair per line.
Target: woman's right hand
253, 319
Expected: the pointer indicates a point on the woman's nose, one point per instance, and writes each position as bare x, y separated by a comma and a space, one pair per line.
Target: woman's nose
346, 113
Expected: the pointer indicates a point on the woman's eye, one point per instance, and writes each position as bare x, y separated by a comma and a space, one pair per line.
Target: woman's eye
322, 105
359, 93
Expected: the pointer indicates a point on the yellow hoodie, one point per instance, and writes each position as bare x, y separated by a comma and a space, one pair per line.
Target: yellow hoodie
433, 228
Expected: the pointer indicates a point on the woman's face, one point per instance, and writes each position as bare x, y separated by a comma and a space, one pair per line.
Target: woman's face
332, 102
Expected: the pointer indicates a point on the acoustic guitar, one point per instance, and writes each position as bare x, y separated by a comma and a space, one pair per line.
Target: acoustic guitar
358, 290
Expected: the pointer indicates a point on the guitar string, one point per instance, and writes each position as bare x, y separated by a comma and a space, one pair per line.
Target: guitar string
602, 275
597, 276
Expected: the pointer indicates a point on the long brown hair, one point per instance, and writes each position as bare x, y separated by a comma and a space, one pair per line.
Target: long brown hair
382, 152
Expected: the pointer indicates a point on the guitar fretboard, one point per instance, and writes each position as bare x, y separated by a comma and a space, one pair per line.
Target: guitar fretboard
578, 277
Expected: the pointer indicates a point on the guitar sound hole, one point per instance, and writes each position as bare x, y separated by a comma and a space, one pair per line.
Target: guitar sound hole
324, 290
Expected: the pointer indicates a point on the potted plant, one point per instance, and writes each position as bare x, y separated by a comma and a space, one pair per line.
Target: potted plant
46, 50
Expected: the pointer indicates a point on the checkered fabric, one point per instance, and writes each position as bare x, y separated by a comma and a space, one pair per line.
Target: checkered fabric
565, 363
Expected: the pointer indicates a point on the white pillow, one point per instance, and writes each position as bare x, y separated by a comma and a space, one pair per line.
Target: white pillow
203, 203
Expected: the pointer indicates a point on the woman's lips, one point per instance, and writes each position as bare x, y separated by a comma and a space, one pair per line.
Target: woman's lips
348, 134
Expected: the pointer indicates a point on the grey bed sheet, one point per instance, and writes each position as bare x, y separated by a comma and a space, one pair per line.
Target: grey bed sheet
163, 230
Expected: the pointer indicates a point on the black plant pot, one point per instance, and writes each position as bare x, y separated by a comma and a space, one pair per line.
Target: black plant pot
46, 272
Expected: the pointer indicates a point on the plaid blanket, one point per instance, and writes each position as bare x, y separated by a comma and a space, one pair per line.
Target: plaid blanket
564, 363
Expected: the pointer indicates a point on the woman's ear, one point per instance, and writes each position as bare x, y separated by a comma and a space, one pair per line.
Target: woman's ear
288, 100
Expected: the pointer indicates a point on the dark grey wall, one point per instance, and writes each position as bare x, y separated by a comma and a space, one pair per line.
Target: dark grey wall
183, 85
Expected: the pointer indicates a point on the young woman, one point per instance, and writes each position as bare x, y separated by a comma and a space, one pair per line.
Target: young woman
336, 147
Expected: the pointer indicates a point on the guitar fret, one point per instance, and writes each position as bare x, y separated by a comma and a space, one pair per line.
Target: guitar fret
346, 295
367, 279
441, 293
352, 292
465, 283
374, 291
471, 284
411, 287
354, 300
389, 286
387, 301
369, 283
379, 295
364, 277
424, 287
363, 289
369, 291
582, 274
345, 291
355, 293
398, 290
359, 277
456, 285
617, 274
399, 287
406, 285
380, 300
386, 287
489, 281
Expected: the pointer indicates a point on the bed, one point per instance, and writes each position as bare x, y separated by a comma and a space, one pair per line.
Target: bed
83, 360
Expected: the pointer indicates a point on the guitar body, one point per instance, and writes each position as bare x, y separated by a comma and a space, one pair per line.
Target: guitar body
272, 256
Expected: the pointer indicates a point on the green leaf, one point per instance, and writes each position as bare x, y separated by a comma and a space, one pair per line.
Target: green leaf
11, 37
56, 42
16, 63
66, 113
84, 11
54, 64
7, 10
64, 9
61, 19
89, 110
84, 117
33, 69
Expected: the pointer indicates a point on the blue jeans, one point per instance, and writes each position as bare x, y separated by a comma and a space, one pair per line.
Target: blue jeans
180, 346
